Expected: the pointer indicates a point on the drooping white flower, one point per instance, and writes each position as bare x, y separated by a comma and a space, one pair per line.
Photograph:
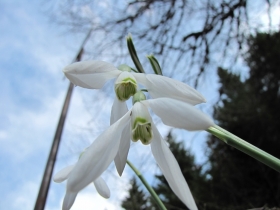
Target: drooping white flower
113, 144
70, 196
94, 74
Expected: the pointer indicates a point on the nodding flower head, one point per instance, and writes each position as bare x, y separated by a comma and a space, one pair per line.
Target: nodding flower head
136, 124
94, 74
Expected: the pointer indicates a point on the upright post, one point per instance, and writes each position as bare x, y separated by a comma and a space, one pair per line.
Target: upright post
45, 184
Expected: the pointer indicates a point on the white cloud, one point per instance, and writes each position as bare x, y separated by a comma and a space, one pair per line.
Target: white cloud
89, 201
259, 15
30, 130
3, 135
32, 95
88, 198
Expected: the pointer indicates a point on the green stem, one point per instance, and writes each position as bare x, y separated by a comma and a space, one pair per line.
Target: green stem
149, 188
245, 147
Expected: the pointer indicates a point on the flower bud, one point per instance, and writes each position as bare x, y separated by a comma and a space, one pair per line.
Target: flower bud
141, 127
125, 86
124, 67
139, 96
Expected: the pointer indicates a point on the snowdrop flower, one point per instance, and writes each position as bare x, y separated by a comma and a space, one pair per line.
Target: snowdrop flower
69, 199
94, 74
136, 124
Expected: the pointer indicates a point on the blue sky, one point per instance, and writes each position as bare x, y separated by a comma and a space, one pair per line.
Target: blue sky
33, 53
32, 92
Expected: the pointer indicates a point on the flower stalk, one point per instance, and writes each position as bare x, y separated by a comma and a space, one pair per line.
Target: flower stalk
149, 188
245, 147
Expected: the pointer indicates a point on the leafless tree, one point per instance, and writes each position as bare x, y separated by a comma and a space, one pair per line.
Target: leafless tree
193, 34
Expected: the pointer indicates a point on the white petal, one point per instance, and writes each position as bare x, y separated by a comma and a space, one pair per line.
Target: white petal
119, 109
121, 157
161, 86
124, 76
89, 67
63, 174
179, 114
98, 156
102, 187
171, 170
140, 111
90, 74
69, 200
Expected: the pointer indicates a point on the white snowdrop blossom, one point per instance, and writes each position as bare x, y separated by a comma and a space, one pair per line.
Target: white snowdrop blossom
94, 74
173, 103
70, 196
136, 124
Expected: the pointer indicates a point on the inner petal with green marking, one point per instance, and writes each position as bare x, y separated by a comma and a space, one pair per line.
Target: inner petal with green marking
126, 88
142, 130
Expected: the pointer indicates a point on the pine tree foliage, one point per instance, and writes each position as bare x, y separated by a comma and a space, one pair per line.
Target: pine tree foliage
250, 110
192, 173
136, 199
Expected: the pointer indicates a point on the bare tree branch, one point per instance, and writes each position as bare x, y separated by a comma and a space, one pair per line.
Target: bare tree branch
180, 32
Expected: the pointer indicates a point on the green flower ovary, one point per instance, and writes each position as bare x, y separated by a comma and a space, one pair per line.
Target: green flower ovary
139, 96
142, 130
125, 89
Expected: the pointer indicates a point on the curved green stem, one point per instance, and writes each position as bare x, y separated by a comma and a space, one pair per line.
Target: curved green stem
149, 188
245, 147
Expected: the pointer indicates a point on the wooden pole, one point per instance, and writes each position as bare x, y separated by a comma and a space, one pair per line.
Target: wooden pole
45, 184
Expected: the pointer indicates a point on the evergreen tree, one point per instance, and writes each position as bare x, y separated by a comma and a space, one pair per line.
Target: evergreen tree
192, 173
137, 199
250, 110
